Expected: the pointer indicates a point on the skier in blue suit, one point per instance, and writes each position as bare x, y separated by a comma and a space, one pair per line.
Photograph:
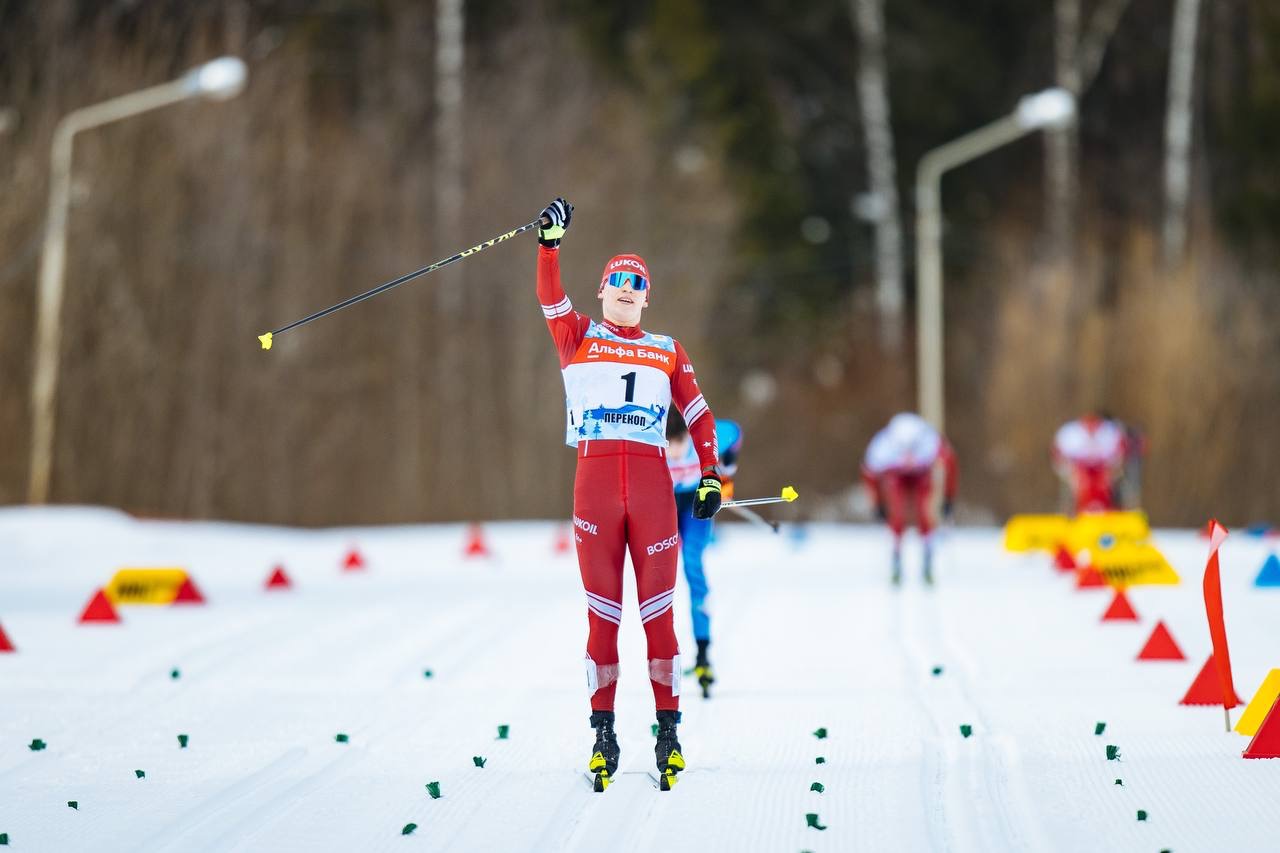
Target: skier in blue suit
695, 533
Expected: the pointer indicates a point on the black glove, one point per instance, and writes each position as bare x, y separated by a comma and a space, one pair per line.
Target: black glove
706, 500
947, 509
881, 513
555, 219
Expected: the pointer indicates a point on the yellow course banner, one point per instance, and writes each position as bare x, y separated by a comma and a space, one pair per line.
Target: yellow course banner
145, 586
1035, 532
1133, 564
1105, 529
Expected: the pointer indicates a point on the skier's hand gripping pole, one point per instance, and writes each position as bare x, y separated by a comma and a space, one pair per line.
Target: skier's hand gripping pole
788, 495
542, 222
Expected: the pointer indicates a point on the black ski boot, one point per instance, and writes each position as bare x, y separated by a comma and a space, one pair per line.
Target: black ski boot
702, 669
667, 750
604, 755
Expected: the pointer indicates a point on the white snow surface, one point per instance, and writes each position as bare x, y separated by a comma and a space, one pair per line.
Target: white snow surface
807, 634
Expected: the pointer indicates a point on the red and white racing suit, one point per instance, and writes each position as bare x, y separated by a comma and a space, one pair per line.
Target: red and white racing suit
897, 475
619, 383
1089, 454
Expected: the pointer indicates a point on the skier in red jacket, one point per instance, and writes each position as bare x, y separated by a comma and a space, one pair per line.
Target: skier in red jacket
619, 383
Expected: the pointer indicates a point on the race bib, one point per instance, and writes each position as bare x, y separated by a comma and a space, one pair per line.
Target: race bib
617, 388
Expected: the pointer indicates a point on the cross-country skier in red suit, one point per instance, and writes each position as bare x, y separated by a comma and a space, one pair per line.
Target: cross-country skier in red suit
619, 383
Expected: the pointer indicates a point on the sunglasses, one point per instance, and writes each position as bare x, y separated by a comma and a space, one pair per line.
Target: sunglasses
638, 282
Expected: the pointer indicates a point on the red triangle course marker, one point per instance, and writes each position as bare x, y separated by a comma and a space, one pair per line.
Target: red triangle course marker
278, 579
6, 645
354, 562
1063, 561
99, 609
1161, 646
1089, 578
564, 540
1266, 742
189, 593
1206, 689
475, 542
1120, 609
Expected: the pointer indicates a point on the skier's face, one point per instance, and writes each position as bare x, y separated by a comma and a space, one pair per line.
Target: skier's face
622, 305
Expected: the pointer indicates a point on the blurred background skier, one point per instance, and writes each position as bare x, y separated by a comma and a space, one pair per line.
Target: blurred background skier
1094, 455
898, 471
695, 533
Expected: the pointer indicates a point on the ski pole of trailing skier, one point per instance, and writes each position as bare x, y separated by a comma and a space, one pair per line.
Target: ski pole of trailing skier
788, 495
266, 339
754, 517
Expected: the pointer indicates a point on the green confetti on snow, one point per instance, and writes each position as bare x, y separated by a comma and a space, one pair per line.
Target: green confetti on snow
36, 745
141, 774
433, 788
175, 674
479, 760
503, 731
4, 839
182, 741
937, 670
820, 733
1120, 782
73, 804
1113, 752
341, 737
1099, 728
820, 760
408, 829
817, 786
1142, 814
426, 673
966, 729
812, 820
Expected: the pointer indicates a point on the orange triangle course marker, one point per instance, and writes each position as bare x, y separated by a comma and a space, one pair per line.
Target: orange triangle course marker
353, 562
6, 645
99, 609
1206, 689
1120, 609
1266, 743
1161, 646
188, 593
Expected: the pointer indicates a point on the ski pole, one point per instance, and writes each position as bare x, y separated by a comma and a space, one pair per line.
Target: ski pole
266, 339
754, 517
788, 495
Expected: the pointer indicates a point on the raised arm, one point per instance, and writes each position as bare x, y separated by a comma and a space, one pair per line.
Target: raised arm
567, 326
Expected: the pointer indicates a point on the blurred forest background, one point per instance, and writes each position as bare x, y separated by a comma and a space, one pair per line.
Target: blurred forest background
735, 145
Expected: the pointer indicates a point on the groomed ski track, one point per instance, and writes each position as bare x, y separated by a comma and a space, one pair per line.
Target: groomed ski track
808, 634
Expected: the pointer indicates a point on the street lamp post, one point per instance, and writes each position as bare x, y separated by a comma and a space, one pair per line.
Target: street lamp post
1050, 108
220, 79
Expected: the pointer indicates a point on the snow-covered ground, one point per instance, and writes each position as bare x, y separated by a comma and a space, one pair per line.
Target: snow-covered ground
808, 634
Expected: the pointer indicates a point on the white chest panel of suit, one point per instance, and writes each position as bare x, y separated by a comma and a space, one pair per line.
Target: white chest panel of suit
618, 388
1101, 445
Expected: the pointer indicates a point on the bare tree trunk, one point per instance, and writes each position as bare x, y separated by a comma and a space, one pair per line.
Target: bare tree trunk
1062, 144
452, 413
1177, 129
873, 94
1077, 58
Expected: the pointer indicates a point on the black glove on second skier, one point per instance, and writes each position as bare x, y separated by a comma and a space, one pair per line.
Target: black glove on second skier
706, 500
555, 219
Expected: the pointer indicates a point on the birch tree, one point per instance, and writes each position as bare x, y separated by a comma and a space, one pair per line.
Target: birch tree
873, 96
1177, 129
